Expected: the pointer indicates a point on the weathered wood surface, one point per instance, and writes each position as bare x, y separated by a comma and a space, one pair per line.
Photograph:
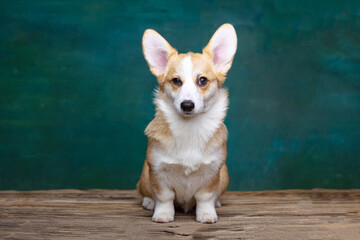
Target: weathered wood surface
117, 214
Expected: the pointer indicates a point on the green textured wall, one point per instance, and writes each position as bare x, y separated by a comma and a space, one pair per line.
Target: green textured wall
76, 92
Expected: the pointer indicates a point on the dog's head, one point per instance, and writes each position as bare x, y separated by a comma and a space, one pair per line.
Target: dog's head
191, 81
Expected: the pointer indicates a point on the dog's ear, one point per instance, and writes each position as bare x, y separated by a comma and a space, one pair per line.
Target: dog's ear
156, 51
222, 47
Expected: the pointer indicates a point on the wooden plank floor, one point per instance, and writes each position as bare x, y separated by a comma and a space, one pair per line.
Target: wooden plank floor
117, 214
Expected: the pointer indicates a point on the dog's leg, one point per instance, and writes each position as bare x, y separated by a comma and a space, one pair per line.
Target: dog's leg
223, 184
164, 206
205, 207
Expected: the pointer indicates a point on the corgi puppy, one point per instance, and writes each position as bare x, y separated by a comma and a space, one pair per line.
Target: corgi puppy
186, 153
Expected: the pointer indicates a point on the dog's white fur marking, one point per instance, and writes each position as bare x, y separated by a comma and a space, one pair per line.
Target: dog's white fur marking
188, 90
186, 67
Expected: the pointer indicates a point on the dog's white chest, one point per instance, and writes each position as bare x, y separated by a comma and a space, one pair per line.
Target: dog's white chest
187, 172
188, 159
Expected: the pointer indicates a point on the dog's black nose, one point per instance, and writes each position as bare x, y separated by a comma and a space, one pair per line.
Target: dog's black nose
187, 106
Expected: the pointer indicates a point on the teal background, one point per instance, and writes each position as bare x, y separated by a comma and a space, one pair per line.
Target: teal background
76, 92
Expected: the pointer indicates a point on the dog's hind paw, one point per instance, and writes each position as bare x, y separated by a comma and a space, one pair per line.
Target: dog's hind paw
148, 203
217, 203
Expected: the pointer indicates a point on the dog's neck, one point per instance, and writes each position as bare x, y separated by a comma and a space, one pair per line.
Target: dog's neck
197, 129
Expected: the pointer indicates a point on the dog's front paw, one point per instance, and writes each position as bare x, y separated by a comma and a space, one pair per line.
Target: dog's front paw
207, 217
163, 217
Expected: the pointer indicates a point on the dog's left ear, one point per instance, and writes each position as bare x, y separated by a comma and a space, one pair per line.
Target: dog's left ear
222, 48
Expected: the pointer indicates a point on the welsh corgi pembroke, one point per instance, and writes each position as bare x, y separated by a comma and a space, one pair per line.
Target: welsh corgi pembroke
186, 153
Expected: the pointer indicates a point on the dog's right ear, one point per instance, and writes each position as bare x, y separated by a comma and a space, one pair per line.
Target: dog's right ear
156, 51
222, 48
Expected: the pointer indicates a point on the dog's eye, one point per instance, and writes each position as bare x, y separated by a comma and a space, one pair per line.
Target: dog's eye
202, 81
177, 82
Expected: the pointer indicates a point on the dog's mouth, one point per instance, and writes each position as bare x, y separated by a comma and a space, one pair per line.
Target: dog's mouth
187, 114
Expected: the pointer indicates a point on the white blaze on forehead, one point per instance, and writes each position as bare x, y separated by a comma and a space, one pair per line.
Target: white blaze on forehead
188, 90
186, 68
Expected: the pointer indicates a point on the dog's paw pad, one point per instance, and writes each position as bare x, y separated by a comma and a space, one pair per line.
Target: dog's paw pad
207, 217
148, 203
163, 217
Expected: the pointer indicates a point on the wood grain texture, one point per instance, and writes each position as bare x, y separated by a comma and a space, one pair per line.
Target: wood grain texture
117, 214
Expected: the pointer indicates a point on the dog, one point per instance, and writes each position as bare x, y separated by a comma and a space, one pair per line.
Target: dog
186, 152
